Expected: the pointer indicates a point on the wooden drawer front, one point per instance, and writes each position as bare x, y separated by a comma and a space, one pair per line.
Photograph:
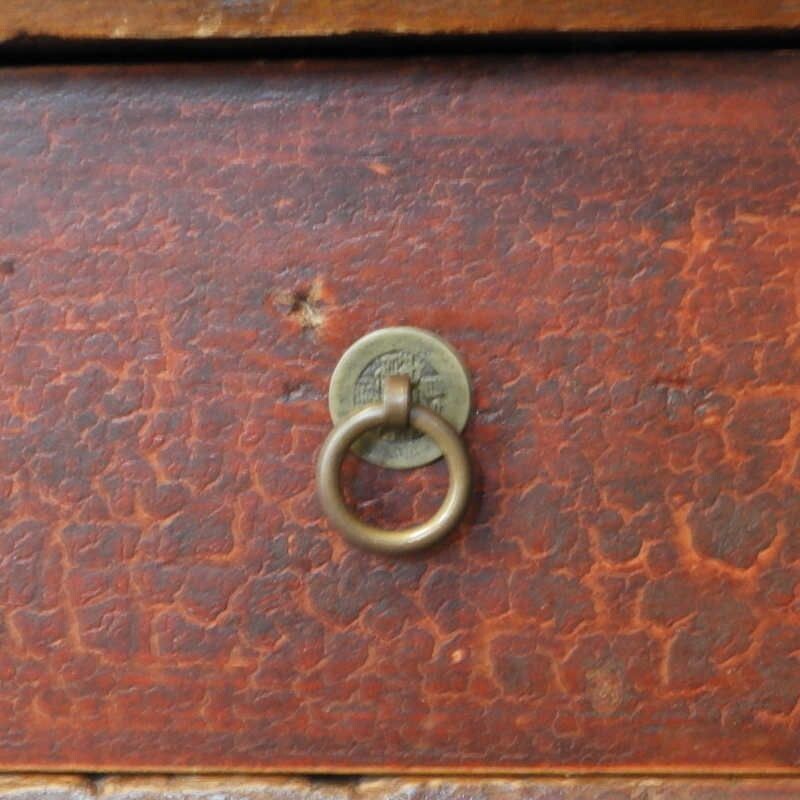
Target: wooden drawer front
612, 243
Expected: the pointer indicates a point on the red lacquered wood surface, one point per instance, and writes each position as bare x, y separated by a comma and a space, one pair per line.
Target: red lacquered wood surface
611, 243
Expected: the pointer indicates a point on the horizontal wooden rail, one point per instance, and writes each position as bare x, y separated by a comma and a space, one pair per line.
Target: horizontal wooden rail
171, 19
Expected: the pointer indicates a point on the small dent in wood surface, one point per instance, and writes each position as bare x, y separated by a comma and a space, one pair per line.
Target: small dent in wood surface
379, 168
457, 656
302, 304
295, 392
605, 689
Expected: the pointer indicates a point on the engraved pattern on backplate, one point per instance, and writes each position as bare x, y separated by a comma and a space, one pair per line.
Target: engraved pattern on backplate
438, 381
427, 387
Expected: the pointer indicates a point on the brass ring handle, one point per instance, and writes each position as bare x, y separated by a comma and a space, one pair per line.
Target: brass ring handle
395, 410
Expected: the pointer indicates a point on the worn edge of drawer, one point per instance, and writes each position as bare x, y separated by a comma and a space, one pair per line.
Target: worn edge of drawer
214, 787
203, 19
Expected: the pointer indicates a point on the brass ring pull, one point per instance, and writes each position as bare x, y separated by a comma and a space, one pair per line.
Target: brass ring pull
398, 411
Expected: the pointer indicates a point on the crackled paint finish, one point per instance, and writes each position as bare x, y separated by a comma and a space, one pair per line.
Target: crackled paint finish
611, 243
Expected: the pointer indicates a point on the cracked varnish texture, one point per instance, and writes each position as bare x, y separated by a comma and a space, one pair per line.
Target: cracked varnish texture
611, 243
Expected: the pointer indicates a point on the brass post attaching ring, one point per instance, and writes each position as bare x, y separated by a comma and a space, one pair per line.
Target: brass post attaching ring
395, 410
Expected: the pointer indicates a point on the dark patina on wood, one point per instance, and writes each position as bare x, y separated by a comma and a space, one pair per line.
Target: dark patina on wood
611, 243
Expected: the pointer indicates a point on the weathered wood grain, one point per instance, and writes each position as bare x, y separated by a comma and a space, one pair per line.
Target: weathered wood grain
235, 787
165, 19
612, 244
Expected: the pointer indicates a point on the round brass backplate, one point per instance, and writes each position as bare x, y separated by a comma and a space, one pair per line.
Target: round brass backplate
439, 380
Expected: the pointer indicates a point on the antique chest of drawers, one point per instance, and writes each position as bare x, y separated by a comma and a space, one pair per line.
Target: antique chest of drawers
612, 245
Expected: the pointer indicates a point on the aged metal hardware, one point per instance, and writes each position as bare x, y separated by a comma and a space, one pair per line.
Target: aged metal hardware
439, 381
394, 410
397, 412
